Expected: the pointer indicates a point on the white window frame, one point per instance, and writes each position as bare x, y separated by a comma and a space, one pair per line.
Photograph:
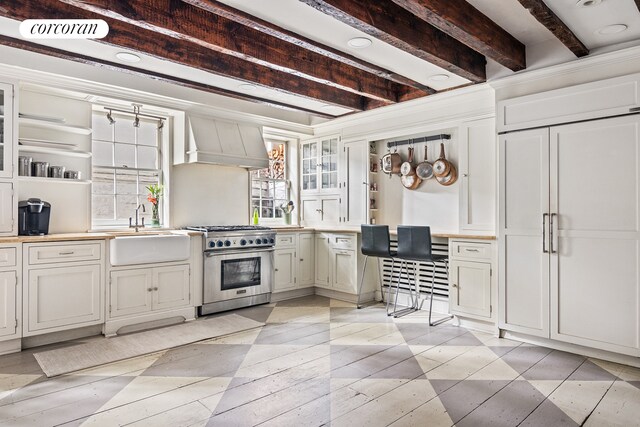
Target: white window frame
286, 181
163, 177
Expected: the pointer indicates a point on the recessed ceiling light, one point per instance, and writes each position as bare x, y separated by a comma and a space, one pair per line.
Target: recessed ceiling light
588, 3
359, 42
612, 29
127, 57
248, 87
439, 77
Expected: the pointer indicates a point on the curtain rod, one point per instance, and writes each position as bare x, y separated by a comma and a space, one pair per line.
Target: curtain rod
131, 113
419, 140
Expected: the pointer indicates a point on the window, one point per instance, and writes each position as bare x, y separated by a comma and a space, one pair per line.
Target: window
126, 160
269, 186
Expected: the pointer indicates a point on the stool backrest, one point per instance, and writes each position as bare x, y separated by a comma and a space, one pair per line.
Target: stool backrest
414, 242
375, 240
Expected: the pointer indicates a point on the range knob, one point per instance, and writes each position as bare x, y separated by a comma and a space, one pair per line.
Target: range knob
258, 241
243, 242
272, 241
251, 242
227, 242
212, 244
219, 243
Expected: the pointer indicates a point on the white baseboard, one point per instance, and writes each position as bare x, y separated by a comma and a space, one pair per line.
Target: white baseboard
573, 348
10, 346
294, 293
60, 336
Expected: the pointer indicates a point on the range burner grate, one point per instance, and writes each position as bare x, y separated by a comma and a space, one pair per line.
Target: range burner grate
217, 228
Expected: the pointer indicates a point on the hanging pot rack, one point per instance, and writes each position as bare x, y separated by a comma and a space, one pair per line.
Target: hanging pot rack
419, 140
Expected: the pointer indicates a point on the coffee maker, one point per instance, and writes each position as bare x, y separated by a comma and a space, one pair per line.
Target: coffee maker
33, 217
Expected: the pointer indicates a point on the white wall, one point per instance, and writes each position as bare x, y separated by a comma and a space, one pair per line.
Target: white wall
430, 204
209, 195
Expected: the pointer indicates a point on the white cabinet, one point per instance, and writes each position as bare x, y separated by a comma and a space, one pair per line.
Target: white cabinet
569, 224
356, 194
343, 265
7, 124
319, 165
130, 292
306, 261
470, 291
336, 262
63, 297
320, 189
7, 210
10, 292
478, 175
322, 256
471, 286
8, 315
170, 287
60, 293
293, 261
141, 290
524, 265
285, 269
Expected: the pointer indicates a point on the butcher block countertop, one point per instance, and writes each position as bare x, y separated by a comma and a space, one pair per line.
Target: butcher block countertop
449, 235
69, 237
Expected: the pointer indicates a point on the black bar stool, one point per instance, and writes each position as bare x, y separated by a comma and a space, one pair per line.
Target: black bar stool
414, 244
376, 243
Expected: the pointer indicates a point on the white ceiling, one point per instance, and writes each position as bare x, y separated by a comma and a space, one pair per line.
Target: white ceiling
543, 48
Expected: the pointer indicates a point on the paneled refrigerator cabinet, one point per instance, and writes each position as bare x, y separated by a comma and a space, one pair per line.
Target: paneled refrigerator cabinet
569, 218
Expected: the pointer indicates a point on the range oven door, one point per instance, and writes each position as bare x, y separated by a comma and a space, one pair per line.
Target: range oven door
237, 274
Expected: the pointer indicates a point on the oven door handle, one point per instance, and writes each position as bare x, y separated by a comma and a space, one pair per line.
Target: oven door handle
243, 251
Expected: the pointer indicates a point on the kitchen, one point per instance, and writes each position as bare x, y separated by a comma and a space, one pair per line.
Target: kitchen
152, 270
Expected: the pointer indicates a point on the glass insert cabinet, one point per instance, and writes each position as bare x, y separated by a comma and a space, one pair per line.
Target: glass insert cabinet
319, 163
6, 126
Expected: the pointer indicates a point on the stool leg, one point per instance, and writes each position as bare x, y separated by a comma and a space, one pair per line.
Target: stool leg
433, 279
399, 313
416, 305
380, 281
393, 263
364, 270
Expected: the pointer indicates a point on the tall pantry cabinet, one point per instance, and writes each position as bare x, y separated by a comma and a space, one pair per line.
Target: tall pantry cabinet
569, 229
8, 203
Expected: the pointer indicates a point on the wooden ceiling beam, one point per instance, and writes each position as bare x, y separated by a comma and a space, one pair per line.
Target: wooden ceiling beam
546, 17
121, 68
468, 25
273, 30
147, 42
400, 28
185, 21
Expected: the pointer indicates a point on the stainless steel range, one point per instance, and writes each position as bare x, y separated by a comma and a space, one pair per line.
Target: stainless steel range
238, 266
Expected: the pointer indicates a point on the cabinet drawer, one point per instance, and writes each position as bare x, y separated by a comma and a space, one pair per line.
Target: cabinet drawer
7, 257
285, 240
343, 241
470, 250
64, 253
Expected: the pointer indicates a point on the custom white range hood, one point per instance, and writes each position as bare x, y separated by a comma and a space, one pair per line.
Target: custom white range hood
221, 142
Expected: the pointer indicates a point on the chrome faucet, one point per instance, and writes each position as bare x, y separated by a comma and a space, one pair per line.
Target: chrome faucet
136, 226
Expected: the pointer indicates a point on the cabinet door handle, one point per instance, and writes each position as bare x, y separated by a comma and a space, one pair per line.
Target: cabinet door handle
544, 233
301, 259
471, 250
275, 269
454, 285
552, 250
149, 289
155, 289
66, 253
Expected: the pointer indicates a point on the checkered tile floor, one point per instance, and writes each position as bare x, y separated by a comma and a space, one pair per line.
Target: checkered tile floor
322, 362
